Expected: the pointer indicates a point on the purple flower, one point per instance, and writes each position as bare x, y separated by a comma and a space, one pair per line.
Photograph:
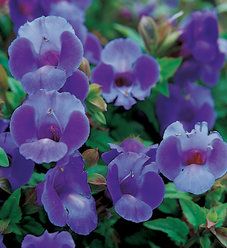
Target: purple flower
125, 74
4, 124
22, 11
92, 49
73, 14
203, 58
20, 170
130, 145
49, 240
192, 160
45, 53
77, 85
189, 104
1, 242
67, 197
49, 125
134, 187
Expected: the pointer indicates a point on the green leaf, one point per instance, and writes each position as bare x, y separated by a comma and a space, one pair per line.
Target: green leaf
4, 161
162, 87
221, 235
31, 226
221, 211
99, 139
11, 209
173, 193
193, 212
11, 213
169, 206
130, 33
168, 67
176, 229
205, 241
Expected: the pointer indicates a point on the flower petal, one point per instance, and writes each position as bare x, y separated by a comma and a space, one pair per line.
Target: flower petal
194, 179
44, 151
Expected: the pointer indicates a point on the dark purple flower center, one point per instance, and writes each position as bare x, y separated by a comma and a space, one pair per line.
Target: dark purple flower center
50, 58
195, 157
121, 81
55, 133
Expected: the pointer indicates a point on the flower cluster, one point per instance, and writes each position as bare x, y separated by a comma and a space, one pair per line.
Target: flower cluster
203, 58
67, 167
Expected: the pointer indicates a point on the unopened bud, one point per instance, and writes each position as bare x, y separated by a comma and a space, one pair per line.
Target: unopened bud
3, 79
85, 67
148, 30
91, 156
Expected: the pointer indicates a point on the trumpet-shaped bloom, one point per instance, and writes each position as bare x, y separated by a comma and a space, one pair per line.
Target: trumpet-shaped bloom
20, 169
49, 125
45, 53
203, 58
49, 240
189, 104
125, 74
66, 196
192, 160
130, 145
134, 187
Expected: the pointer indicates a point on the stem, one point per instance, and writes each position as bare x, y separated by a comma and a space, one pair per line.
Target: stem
192, 241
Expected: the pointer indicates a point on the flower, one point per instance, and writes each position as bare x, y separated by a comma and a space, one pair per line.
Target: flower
92, 49
203, 58
67, 198
189, 104
125, 74
134, 187
22, 11
192, 160
49, 240
49, 125
1, 242
20, 170
130, 145
45, 53
77, 85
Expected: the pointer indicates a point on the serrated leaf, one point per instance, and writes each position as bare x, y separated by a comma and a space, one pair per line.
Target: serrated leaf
176, 229
193, 212
4, 161
221, 211
31, 226
169, 206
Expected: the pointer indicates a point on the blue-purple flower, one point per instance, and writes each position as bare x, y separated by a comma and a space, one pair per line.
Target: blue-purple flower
1, 242
131, 145
192, 160
134, 187
189, 104
49, 240
20, 170
45, 53
67, 198
49, 125
203, 58
125, 74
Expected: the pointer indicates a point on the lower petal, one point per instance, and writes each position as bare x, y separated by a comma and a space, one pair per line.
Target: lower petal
194, 179
82, 217
46, 77
132, 209
44, 151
